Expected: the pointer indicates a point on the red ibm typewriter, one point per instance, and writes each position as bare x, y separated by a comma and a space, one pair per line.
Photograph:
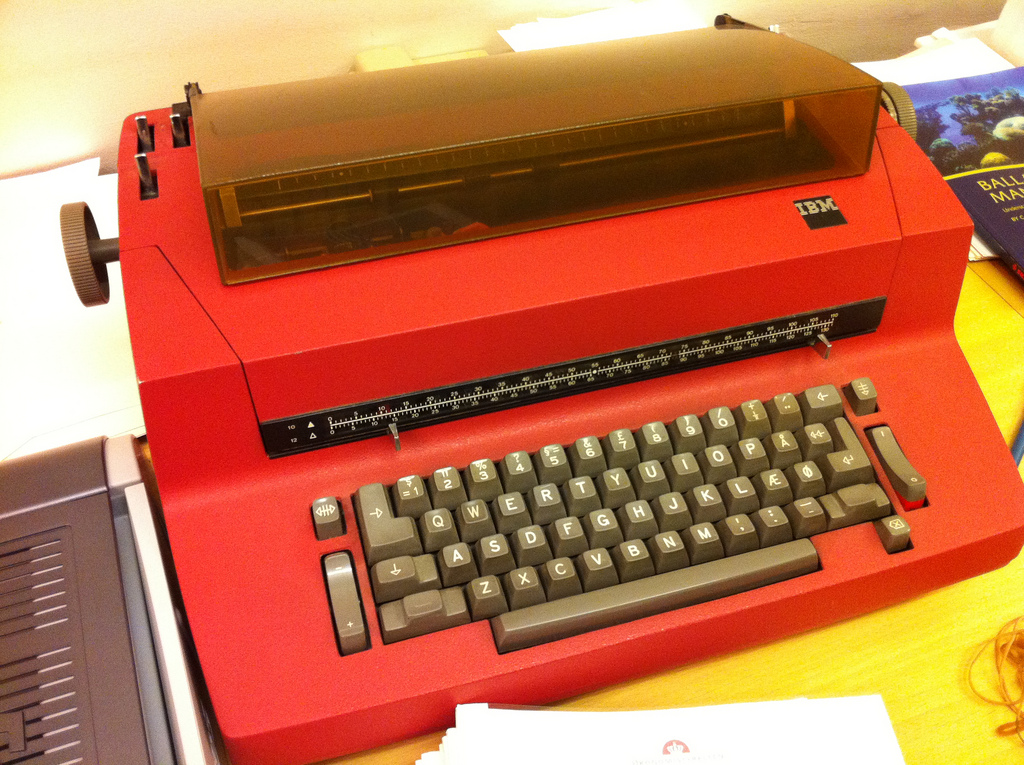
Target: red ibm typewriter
509, 378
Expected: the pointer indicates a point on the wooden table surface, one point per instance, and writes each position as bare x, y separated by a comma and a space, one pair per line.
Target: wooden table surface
915, 654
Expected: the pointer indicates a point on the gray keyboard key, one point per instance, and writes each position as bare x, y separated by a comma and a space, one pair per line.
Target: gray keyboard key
782, 449
523, 588
671, 512
517, 472
637, 520
814, 441
530, 546
862, 396
602, 528
552, 464
687, 434
410, 496
632, 560
395, 578
423, 612
855, 504
668, 552
716, 464
846, 468
653, 595
474, 521
894, 533
720, 426
560, 579
596, 570
749, 456
843, 435
567, 537
849, 464
384, 536
806, 480
738, 534
485, 598
437, 528
784, 413
346, 608
581, 497
705, 503
328, 522
493, 555
482, 480
546, 503
446, 488
587, 457
683, 472
773, 488
820, 404
620, 449
772, 526
511, 513
739, 496
702, 543
649, 479
752, 420
456, 564
654, 442
806, 517
615, 488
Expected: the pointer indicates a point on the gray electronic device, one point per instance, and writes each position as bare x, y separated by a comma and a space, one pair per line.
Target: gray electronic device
89, 671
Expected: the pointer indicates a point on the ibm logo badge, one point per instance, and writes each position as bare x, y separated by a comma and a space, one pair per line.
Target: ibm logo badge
820, 212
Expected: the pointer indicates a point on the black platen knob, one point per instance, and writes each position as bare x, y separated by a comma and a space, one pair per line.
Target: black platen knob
87, 255
896, 101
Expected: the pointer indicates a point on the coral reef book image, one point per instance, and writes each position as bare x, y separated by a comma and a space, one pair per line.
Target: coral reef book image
973, 131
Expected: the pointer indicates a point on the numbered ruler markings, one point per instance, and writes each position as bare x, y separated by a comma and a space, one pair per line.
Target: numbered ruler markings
360, 421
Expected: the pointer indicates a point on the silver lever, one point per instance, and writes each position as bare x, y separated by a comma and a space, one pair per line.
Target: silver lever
822, 345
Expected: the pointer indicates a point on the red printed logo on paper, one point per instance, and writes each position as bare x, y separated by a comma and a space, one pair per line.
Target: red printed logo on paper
675, 747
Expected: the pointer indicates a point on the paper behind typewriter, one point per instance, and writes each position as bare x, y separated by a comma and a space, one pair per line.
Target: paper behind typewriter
794, 732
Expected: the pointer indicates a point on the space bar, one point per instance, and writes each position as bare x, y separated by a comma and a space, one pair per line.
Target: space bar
621, 603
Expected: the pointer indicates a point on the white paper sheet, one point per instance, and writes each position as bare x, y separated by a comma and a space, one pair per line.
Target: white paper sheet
840, 731
66, 371
945, 60
636, 20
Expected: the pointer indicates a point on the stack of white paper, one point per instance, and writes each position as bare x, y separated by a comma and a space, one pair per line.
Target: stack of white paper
838, 731
66, 371
650, 17
944, 60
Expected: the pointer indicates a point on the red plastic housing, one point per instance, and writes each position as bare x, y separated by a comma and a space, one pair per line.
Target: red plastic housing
213, 361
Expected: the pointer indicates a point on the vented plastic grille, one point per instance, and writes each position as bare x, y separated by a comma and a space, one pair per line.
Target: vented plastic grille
44, 704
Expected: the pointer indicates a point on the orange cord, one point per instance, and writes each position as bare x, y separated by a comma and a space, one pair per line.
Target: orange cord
1008, 648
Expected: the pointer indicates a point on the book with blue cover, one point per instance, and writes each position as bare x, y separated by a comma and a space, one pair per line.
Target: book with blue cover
973, 130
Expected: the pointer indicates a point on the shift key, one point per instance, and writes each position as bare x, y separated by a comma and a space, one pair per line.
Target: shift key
855, 504
423, 612
384, 536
